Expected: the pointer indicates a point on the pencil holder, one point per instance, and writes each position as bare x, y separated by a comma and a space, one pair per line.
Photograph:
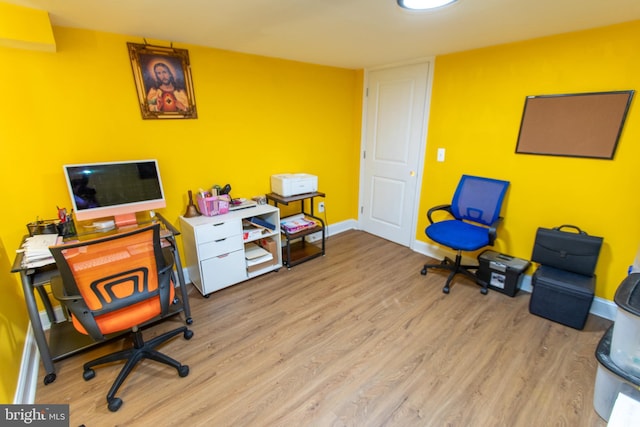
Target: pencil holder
67, 228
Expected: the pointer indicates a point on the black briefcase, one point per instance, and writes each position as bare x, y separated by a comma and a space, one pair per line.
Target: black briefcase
574, 251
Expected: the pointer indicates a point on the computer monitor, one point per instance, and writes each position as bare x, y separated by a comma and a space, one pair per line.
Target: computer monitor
118, 189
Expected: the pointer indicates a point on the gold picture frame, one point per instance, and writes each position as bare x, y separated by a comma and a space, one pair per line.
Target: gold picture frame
163, 81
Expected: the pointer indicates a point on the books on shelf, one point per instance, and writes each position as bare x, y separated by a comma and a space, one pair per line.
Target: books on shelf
252, 232
257, 221
256, 254
297, 223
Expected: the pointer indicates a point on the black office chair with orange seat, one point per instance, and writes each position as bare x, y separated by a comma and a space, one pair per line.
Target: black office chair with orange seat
114, 284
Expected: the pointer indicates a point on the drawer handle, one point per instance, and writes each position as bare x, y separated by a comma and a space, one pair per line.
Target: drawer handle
218, 225
223, 256
220, 240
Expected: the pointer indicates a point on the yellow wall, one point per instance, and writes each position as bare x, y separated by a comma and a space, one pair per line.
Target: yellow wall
477, 103
257, 116
22, 27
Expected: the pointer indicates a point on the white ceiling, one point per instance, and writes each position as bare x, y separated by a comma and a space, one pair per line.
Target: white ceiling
342, 33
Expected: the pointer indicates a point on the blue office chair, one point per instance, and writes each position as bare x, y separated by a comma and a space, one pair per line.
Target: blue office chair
476, 214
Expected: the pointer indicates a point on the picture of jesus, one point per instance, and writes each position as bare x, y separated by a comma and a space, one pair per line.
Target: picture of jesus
163, 81
166, 95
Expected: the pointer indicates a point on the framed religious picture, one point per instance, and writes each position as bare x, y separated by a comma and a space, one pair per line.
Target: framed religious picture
163, 81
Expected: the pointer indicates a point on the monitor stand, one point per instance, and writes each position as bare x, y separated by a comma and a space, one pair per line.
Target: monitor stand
126, 220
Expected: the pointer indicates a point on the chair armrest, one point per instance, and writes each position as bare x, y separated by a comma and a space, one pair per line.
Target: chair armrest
57, 289
493, 230
168, 260
446, 208
76, 305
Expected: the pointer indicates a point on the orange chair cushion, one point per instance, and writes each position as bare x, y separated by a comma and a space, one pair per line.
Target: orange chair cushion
126, 318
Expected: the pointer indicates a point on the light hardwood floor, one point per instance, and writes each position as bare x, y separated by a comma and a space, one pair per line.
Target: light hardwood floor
355, 338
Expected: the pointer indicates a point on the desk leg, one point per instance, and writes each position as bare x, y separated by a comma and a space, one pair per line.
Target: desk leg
183, 286
36, 326
176, 258
47, 303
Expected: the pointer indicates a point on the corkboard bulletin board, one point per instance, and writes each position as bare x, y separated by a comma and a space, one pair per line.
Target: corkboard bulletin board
574, 125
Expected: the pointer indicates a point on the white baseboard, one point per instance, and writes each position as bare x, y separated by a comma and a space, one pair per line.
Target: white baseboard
600, 306
30, 363
28, 377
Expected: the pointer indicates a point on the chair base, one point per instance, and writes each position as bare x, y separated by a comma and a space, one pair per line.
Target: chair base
456, 267
141, 350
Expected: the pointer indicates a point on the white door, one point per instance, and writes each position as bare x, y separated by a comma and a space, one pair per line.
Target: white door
394, 144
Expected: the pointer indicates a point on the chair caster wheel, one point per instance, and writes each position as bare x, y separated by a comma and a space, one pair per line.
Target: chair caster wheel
189, 321
424, 271
88, 374
49, 378
183, 371
483, 291
114, 404
445, 290
188, 334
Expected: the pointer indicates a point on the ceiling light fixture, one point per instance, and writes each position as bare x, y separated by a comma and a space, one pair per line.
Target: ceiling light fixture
424, 4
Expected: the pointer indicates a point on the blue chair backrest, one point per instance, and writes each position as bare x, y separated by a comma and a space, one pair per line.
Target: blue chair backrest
478, 199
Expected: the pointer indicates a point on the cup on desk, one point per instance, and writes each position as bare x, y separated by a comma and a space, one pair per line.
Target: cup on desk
261, 200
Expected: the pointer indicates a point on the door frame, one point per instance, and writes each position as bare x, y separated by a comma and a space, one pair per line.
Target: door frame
423, 144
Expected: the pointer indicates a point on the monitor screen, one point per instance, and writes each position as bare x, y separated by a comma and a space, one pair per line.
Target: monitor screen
118, 189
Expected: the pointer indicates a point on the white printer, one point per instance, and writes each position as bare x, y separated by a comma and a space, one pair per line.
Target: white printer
292, 184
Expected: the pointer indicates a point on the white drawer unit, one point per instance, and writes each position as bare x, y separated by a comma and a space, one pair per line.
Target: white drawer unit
214, 247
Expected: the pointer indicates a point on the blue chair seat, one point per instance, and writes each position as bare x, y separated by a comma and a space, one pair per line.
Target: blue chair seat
459, 235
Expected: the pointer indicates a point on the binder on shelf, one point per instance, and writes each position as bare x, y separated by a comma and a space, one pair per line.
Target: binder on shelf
262, 223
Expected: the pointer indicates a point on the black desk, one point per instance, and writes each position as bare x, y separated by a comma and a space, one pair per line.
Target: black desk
64, 340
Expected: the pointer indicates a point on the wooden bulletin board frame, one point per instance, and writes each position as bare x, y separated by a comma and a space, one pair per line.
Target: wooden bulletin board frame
574, 125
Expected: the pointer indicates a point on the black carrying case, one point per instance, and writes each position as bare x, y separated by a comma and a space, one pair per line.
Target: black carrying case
576, 252
562, 296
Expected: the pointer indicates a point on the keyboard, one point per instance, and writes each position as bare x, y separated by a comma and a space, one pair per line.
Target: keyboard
105, 259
